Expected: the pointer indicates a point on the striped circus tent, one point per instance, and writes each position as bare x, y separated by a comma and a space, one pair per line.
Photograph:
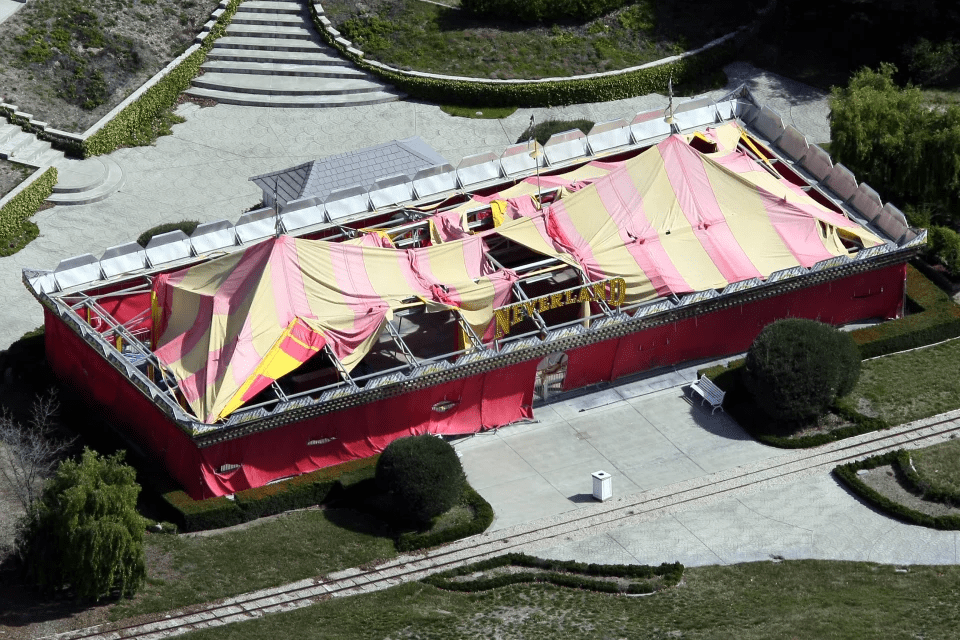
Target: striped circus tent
229, 327
673, 220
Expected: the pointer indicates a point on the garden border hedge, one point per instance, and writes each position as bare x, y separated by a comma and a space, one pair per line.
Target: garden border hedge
482, 519
847, 474
306, 490
918, 485
564, 573
26, 202
540, 93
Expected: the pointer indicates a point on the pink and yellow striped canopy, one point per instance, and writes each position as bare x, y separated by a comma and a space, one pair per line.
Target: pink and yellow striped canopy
229, 327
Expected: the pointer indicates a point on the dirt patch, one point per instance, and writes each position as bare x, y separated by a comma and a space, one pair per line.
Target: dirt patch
886, 481
825, 424
12, 174
69, 62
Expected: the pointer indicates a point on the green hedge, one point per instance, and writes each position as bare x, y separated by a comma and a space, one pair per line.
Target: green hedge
26, 203
559, 572
187, 226
940, 320
847, 474
302, 491
135, 121
918, 485
542, 94
482, 518
542, 10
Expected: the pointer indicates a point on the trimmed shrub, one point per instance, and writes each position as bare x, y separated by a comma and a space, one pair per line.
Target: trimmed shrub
187, 226
422, 473
482, 518
795, 369
300, 492
200, 515
542, 10
939, 321
26, 203
564, 573
542, 131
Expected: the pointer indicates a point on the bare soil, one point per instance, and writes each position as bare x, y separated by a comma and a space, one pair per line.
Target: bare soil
69, 62
12, 174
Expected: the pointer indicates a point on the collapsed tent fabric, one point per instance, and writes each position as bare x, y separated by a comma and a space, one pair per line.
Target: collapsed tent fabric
229, 327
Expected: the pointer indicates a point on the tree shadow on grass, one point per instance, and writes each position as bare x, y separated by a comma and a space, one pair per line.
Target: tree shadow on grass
21, 605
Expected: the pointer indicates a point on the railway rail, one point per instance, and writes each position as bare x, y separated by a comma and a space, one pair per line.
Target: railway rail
413, 567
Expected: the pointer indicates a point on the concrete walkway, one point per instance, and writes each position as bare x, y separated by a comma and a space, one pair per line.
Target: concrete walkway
9, 7
200, 172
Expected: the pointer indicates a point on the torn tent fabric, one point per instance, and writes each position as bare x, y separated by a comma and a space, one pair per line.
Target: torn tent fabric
229, 327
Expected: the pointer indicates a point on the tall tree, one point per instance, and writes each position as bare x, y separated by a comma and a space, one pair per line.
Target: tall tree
85, 532
906, 149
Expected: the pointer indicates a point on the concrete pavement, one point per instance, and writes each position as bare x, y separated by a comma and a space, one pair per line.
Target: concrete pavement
200, 172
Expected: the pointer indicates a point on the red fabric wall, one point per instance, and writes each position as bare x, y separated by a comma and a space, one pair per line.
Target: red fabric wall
875, 294
479, 402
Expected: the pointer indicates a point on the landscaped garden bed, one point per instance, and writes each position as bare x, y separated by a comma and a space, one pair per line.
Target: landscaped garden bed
919, 487
69, 62
422, 36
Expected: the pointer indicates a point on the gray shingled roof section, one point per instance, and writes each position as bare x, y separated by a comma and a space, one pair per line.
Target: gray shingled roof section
363, 167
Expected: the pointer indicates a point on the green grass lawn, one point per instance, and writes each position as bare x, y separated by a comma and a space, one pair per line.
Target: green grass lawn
482, 113
939, 466
799, 599
909, 386
188, 570
412, 34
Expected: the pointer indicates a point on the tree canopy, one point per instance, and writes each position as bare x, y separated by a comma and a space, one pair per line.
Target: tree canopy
85, 533
890, 139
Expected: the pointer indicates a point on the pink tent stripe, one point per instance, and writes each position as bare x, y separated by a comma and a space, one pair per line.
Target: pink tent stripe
688, 177
623, 203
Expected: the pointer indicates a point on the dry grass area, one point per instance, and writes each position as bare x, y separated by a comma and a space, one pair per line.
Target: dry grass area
68, 62
12, 174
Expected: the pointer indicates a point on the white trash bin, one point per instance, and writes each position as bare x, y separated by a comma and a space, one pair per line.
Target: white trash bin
602, 485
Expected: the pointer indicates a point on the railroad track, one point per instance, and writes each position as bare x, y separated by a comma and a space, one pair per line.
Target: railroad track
413, 567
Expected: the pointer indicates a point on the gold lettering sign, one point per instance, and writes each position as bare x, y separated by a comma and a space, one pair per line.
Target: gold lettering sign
612, 291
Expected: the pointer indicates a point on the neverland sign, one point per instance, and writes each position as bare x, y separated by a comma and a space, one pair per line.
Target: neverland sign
610, 291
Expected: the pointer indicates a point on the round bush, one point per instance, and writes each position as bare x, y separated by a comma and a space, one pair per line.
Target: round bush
543, 130
423, 473
796, 368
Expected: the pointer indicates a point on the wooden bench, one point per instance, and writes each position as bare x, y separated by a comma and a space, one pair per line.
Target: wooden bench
709, 392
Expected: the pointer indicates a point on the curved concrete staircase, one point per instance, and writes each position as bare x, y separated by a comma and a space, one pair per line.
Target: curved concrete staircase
271, 56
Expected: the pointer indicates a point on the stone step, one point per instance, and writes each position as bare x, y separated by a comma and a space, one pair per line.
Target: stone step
29, 151
76, 176
269, 19
258, 31
284, 85
14, 143
295, 102
323, 56
47, 158
7, 131
266, 6
112, 182
270, 44
280, 69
